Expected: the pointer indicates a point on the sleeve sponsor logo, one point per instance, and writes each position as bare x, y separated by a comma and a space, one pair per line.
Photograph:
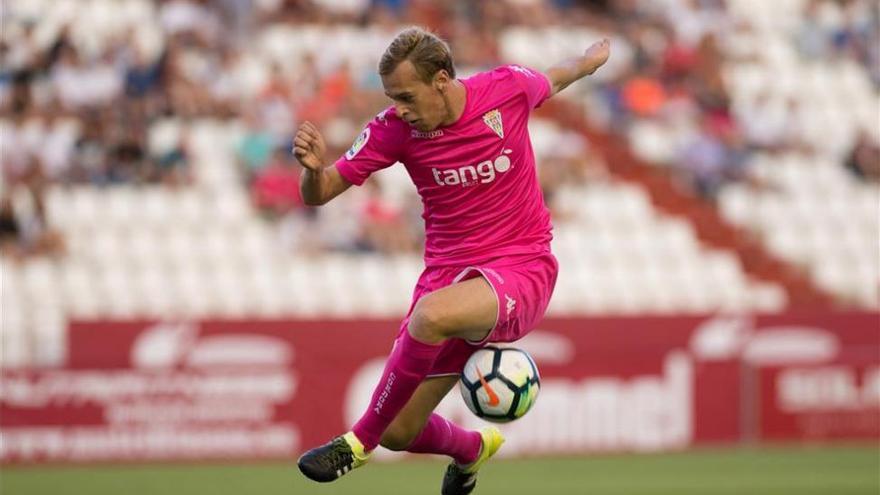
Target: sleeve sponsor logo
358, 144
522, 70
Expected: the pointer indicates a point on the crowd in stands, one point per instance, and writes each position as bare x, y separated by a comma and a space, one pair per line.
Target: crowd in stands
105, 114
678, 80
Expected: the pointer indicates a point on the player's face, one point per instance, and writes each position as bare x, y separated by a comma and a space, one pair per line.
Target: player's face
420, 104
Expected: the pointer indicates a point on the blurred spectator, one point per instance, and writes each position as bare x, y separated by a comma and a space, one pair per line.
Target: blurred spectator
864, 159
275, 187
228, 85
255, 147
89, 159
643, 96
765, 122
127, 158
276, 106
343, 10
167, 150
24, 230
59, 137
10, 229
846, 29
384, 226
811, 37
191, 17
715, 155
81, 83
114, 107
143, 76
332, 97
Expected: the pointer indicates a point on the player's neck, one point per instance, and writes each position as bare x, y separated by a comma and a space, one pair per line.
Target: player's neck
455, 100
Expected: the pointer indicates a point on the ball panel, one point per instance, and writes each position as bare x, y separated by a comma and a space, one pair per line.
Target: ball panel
498, 419
483, 361
527, 400
536, 376
497, 399
518, 366
467, 394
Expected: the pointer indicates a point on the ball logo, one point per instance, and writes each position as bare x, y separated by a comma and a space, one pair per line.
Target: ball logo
471, 175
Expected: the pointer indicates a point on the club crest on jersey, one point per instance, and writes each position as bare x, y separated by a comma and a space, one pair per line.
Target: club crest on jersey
358, 144
493, 120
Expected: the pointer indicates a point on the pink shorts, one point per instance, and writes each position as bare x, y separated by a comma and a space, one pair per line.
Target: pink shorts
523, 286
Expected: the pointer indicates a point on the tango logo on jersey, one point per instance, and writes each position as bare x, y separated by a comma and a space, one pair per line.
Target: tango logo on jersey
493, 120
471, 175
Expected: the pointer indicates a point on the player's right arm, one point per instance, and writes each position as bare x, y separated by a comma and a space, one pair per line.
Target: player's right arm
318, 182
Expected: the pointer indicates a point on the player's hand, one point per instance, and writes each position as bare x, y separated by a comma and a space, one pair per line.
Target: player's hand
309, 147
597, 54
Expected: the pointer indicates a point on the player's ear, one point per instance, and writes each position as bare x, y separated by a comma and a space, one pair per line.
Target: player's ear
441, 80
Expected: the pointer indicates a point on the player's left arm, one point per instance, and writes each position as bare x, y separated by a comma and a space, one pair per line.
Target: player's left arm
566, 72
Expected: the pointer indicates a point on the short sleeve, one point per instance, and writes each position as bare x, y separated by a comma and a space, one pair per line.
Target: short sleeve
377, 146
534, 83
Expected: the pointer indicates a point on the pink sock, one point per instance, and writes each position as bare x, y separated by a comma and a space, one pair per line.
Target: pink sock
440, 436
407, 366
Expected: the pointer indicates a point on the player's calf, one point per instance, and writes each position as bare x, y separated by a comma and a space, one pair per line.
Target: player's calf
398, 436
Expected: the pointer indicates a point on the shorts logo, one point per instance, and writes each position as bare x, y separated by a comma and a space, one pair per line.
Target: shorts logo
511, 304
358, 144
493, 120
494, 274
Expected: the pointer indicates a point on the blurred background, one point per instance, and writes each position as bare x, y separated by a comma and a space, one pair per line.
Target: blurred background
715, 190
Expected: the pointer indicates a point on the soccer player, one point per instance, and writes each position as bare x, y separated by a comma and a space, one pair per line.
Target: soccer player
489, 272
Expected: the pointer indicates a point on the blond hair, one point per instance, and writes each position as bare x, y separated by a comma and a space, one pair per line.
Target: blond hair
426, 51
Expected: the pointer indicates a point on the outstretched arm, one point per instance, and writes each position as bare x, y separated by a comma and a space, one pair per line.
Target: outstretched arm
318, 183
569, 71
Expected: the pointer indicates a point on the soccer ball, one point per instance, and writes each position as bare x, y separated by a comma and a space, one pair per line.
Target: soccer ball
500, 384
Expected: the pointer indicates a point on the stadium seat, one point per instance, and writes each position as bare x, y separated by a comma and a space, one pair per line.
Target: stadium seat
49, 339
15, 342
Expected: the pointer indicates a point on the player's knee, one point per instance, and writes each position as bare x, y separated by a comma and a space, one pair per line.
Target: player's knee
427, 322
397, 437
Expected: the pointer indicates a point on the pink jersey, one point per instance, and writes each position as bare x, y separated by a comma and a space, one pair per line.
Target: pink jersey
476, 177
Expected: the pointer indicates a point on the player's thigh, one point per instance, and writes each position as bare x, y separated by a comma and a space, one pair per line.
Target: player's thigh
412, 418
466, 309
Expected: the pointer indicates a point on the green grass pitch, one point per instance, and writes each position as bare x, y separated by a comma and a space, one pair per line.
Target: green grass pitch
842, 470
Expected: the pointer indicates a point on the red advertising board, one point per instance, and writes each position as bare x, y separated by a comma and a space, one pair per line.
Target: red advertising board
146, 390
831, 401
